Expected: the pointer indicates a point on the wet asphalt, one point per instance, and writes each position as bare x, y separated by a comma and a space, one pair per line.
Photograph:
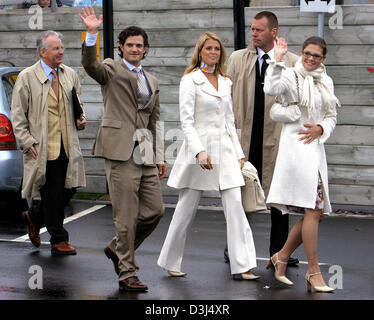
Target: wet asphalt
345, 253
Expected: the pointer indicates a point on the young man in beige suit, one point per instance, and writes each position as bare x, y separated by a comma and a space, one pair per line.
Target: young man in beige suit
127, 140
259, 134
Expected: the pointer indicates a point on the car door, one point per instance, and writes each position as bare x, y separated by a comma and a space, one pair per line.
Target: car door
11, 160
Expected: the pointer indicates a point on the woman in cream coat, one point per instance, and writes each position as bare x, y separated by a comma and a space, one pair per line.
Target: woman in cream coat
210, 158
300, 181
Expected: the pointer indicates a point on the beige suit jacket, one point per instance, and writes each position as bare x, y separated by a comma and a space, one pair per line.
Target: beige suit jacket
123, 123
242, 69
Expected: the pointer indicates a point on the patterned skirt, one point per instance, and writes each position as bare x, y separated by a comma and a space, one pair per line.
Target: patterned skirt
319, 201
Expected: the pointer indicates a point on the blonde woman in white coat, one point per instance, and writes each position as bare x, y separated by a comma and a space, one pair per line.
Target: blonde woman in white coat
210, 158
300, 177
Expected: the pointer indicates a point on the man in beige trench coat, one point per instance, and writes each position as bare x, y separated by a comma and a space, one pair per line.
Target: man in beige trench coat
44, 124
127, 140
259, 135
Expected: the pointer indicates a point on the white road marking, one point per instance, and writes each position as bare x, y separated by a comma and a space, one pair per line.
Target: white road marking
78, 215
300, 262
17, 240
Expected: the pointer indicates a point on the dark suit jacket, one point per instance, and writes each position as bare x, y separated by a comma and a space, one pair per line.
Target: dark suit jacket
123, 123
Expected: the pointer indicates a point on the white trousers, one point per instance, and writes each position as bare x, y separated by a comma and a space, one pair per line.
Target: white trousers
240, 242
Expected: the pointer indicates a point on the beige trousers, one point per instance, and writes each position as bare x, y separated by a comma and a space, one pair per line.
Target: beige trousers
137, 205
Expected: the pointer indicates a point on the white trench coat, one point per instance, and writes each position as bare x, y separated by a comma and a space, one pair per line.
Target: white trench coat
298, 165
208, 125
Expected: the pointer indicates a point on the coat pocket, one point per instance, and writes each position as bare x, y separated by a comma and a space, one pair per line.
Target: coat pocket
111, 123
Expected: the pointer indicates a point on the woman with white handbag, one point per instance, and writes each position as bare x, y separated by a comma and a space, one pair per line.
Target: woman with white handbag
300, 184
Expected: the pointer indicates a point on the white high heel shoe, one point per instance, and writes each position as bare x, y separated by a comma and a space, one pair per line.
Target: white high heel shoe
282, 279
318, 288
249, 276
176, 273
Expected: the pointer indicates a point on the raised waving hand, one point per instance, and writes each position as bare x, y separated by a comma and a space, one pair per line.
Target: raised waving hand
89, 18
280, 49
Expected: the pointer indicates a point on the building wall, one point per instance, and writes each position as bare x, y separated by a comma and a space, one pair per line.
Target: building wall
173, 28
280, 3
18, 34
269, 3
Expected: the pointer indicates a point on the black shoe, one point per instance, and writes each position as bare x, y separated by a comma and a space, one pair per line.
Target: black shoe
226, 255
292, 262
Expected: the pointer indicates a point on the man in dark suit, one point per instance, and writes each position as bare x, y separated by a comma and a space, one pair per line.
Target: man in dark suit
127, 140
259, 134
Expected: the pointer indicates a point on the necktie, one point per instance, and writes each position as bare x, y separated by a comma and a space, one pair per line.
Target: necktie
55, 82
142, 91
264, 64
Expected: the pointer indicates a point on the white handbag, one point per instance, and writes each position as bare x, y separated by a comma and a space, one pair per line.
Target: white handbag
281, 112
253, 196
286, 112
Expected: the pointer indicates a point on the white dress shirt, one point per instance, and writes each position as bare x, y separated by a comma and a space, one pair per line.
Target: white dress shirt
261, 52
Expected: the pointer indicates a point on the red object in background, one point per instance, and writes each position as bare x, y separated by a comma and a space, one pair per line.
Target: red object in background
7, 139
370, 69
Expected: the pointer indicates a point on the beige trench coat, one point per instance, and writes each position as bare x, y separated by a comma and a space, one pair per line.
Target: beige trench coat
30, 124
242, 69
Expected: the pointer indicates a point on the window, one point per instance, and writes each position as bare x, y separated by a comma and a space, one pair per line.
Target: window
8, 81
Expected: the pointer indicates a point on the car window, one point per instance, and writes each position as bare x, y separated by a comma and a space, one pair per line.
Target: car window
8, 81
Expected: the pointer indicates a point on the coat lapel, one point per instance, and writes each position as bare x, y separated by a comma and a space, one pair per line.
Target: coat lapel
252, 57
200, 79
40, 74
224, 86
151, 87
66, 91
150, 82
132, 79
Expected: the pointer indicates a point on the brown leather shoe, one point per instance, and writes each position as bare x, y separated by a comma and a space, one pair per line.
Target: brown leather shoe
62, 249
33, 230
132, 284
112, 256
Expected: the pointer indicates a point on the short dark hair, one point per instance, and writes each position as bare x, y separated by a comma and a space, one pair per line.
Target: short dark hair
316, 41
270, 16
131, 32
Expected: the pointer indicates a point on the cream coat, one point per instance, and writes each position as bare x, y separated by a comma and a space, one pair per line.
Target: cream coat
296, 171
30, 123
242, 69
208, 125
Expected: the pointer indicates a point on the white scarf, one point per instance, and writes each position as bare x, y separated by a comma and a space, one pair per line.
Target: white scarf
329, 100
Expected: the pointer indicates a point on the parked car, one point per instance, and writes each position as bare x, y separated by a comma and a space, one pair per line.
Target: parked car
11, 160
